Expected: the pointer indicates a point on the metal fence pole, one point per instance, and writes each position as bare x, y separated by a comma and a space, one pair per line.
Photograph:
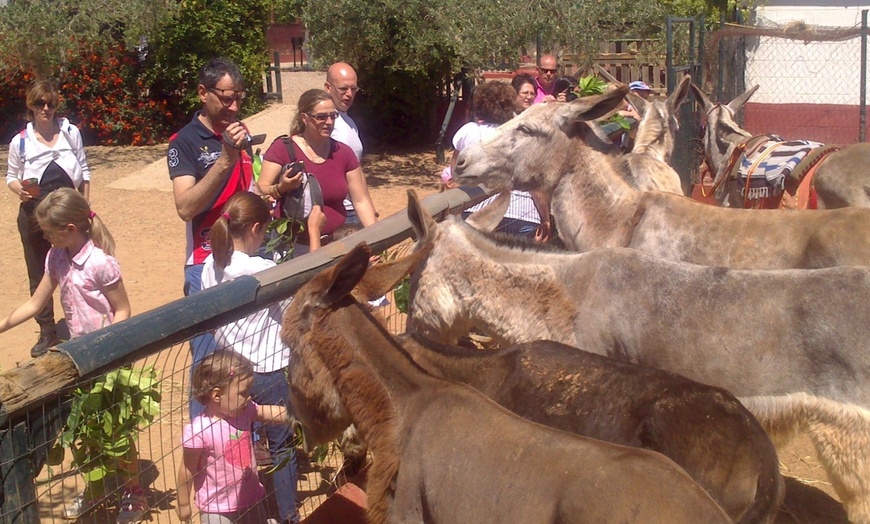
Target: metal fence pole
862, 114
18, 503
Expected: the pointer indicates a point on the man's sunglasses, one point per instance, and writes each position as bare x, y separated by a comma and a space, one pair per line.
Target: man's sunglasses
323, 117
228, 96
551, 71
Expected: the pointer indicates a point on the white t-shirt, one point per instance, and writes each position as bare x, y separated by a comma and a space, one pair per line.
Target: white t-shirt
257, 336
345, 131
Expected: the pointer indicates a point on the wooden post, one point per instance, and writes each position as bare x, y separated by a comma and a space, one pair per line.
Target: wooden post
28, 434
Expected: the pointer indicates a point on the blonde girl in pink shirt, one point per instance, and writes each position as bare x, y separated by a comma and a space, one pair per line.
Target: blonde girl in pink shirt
81, 262
219, 464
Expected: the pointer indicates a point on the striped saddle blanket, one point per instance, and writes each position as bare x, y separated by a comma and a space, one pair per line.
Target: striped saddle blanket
768, 165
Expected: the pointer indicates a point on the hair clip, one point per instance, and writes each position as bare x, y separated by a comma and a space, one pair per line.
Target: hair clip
226, 215
91, 215
232, 372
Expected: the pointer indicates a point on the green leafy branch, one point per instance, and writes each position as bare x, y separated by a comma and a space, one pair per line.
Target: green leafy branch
104, 421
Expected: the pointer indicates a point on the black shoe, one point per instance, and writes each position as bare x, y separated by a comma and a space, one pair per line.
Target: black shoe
46, 340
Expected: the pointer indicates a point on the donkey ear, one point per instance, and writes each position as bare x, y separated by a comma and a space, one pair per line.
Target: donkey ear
738, 103
591, 107
381, 278
701, 97
680, 93
421, 221
488, 218
637, 102
338, 282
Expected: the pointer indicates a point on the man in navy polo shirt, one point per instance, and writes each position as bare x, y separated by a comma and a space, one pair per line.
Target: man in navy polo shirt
207, 161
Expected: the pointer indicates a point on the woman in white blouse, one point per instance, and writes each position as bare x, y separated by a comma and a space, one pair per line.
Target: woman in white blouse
46, 155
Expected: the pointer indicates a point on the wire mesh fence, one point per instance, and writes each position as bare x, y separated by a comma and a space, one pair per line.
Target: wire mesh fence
54, 469
809, 78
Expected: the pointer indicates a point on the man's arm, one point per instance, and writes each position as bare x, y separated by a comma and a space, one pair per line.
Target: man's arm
192, 197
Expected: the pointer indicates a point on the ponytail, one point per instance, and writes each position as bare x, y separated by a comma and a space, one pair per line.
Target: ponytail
100, 235
67, 206
238, 216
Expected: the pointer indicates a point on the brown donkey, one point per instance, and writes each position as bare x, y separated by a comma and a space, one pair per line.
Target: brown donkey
798, 364
842, 179
443, 452
702, 428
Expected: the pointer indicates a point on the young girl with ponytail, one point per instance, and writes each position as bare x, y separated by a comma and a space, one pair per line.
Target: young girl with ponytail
81, 261
235, 239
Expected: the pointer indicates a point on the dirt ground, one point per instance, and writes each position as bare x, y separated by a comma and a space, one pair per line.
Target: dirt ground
150, 248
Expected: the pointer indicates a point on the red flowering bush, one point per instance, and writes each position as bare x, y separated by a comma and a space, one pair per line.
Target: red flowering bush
105, 95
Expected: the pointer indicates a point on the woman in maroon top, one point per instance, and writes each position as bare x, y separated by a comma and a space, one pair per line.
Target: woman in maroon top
333, 164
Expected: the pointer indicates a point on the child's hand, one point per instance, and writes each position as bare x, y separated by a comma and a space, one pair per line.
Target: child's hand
316, 220
184, 512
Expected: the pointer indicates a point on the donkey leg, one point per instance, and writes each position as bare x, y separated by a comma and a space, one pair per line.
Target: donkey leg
841, 436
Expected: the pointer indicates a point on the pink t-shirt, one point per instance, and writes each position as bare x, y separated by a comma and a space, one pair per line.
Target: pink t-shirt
83, 280
226, 477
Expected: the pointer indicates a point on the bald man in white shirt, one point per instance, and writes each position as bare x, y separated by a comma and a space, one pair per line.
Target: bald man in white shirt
341, 84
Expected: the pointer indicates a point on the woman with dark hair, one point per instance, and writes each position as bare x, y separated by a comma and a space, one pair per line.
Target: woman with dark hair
493, 104
524, 85
333, 164
45, 156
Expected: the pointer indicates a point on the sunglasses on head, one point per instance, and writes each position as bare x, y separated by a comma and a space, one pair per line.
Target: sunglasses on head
323, 117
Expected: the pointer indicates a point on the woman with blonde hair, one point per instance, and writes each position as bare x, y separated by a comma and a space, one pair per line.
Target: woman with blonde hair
332, 163
46, 155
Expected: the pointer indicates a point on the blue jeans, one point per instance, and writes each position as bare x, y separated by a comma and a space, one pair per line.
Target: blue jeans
272, 389
201, 345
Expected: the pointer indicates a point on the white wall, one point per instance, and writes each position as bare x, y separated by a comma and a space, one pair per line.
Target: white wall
790, 71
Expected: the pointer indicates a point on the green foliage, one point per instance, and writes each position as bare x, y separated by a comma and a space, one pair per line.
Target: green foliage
287, 11
281, 237
590, 85
204, 29
39, 34
402, 295
104, 420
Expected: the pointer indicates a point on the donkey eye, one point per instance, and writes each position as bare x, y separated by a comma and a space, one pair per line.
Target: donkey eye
531, 131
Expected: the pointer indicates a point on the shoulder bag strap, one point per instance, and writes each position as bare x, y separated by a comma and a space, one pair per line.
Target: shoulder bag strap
288, 143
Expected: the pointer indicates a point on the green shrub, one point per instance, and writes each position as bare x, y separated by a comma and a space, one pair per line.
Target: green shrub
199, 31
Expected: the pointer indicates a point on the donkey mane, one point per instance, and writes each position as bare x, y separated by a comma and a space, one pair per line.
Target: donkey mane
522, 242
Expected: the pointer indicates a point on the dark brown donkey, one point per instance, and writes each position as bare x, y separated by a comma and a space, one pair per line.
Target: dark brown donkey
702, 428
443, 452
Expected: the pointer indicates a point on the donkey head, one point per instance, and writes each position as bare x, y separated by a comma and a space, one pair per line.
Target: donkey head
535, 149
658, 126
312, 391
722, 132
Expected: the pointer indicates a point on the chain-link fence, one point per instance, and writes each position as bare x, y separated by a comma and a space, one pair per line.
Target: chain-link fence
141, 368
809, 78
